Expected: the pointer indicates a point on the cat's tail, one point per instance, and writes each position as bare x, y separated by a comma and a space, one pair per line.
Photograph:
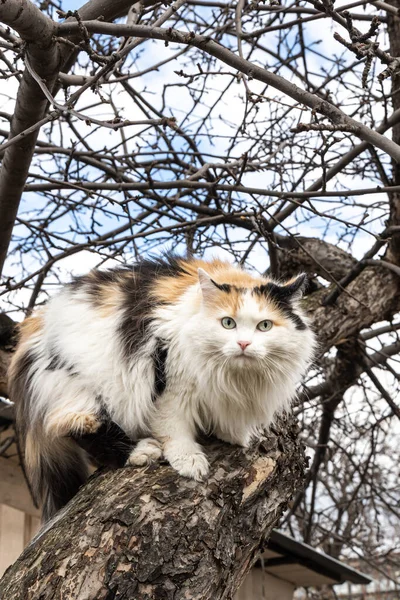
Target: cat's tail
54, 466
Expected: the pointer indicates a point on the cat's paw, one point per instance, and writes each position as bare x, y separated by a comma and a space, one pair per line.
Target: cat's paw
65, 424
188, 459
145, 452
244, 440
87, 423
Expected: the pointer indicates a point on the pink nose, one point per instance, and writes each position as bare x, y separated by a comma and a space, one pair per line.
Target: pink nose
244, 345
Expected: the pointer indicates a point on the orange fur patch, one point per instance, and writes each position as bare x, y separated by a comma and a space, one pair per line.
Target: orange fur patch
33, 443
27, 329
230, 303
110, 299
30, 326
170, 289
60, 423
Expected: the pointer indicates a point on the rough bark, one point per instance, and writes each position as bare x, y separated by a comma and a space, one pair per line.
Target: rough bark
374, 296
313, 255
150, 534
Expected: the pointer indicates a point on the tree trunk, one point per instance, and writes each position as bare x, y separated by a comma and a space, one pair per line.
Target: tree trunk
150, 534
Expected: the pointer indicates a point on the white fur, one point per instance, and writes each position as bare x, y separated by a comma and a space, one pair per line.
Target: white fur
146, 451
212, 385
73, 327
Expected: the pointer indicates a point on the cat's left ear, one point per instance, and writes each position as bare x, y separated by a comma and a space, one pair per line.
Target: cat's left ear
207, 285
295, 289
288, 292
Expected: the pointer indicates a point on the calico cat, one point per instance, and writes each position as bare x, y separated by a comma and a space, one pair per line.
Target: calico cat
158, 352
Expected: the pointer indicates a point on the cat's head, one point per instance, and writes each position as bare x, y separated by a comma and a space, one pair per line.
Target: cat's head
253, 323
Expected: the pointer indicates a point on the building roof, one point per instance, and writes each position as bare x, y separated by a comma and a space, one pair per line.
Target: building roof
302, 565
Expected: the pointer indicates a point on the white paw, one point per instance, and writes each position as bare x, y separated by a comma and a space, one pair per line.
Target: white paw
239, 438
145, 452
187, 459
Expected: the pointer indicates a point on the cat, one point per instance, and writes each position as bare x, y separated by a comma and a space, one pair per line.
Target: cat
155, 353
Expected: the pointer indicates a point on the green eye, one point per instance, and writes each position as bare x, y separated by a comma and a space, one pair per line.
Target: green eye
228, 323
264, 325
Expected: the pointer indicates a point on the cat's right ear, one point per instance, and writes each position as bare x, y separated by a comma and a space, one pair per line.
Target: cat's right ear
207, 285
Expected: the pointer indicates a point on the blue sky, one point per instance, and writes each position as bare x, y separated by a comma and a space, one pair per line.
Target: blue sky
72, 4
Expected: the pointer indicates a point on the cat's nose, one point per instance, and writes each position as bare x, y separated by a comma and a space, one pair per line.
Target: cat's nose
244, 345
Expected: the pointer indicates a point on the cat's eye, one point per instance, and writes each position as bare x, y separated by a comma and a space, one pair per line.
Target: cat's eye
228, 323
264, 325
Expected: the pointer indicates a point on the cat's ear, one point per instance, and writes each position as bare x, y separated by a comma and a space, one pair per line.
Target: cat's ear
295, 289
207, 285
290, 291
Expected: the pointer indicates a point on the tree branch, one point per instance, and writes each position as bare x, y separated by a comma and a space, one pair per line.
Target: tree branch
244, 66
38, 31
313, 255
374, 296
46, 57
148, 533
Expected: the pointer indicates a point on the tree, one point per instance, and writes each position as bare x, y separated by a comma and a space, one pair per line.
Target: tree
204, 124
148, 533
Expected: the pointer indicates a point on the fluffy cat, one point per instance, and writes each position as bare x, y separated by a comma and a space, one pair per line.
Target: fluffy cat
152, 355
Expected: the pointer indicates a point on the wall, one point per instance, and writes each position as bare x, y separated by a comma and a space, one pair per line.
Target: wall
259, 585
16, 530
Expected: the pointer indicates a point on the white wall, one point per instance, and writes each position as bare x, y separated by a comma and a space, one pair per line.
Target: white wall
16, 530
259, 585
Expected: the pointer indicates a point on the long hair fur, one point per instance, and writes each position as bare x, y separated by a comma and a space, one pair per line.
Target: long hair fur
144, 356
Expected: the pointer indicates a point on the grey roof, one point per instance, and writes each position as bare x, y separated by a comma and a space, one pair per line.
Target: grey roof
285, 556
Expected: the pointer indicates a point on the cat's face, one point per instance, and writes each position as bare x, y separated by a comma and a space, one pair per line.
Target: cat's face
253, 327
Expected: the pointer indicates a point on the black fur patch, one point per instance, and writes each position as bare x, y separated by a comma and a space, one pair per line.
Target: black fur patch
93, 282
135, 284
18, 392
224, 287
138, 304
227, 287
56, 362
109, 446
160, 380
282, 295
8, 331
61, 481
